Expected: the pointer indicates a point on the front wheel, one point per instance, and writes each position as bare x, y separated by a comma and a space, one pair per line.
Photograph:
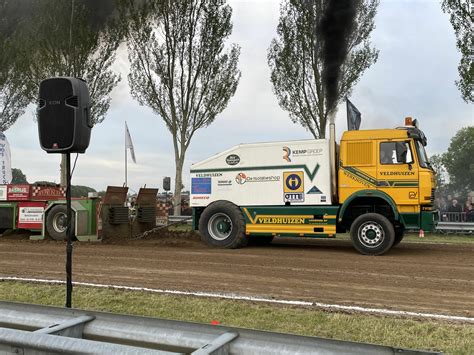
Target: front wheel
222, 224
399, 234
372, 234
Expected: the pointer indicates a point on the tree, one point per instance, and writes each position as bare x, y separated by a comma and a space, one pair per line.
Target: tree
77, 38
181, 68
459, 161
18, 177
81, 191
462, 17
436, 162
13, 86
297, 59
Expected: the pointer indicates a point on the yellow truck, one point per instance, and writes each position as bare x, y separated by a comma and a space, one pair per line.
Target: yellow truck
375, 184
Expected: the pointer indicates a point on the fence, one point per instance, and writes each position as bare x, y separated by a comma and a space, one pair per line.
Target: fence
455, 222
32, 329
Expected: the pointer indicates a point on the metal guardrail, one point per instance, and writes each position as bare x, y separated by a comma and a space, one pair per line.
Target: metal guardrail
455, 222
455, 227
33, 329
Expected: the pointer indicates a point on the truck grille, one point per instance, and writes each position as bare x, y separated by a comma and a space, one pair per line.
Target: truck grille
432, 198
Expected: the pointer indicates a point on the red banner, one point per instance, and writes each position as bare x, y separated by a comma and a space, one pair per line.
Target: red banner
18, 192
48, 193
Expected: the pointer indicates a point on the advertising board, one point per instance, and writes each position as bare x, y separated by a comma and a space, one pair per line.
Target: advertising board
30, 215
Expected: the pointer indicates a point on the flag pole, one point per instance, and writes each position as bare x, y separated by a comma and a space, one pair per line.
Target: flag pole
125, 136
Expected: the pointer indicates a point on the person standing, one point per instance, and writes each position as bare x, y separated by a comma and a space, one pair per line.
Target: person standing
454, 210
469, 211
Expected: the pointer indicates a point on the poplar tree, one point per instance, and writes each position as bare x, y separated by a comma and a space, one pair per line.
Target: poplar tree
182, 68
297, 60
461, 15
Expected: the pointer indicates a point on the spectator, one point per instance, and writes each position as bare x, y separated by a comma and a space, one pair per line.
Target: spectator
440, 205
469, 211
454, 211
455, 207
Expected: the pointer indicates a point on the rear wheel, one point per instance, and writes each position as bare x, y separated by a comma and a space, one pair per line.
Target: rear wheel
372, 234
222, 224
56, 222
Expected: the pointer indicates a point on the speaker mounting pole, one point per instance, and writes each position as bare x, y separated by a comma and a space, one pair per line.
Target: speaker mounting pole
70, 231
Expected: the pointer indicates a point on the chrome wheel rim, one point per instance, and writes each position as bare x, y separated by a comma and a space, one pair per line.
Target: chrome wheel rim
60, 222
371, 234
220, 226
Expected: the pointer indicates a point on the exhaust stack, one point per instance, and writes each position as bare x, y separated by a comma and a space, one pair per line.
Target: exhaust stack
332, 157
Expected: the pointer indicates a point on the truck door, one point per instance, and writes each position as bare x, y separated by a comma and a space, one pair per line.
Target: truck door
397, 172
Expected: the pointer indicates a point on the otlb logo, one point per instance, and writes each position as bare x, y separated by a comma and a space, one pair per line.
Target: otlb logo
287, 154
293, 182
293, 188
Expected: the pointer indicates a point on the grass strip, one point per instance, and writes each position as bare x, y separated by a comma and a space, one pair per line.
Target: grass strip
451, 338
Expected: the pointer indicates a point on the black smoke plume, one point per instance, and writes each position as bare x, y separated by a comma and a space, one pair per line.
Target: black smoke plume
334, 30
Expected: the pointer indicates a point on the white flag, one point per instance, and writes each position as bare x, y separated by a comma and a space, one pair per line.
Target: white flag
128, 143
5, 161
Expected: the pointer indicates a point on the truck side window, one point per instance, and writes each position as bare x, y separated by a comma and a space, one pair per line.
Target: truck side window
395, 153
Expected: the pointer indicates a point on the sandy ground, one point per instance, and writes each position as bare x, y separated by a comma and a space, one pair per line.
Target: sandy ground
433, 278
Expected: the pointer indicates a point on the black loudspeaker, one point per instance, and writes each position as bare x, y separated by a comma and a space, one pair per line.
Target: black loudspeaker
167, 183
64, 122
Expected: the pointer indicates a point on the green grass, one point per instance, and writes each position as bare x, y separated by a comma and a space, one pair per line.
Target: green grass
405, 333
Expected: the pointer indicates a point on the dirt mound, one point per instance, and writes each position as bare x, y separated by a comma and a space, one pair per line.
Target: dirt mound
162, 237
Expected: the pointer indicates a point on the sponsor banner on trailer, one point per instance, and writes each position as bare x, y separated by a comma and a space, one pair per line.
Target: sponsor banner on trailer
201, 186
265, 175
30, 215
242, 178
293, 186
18, 192
290, 153
43, 193
232, 159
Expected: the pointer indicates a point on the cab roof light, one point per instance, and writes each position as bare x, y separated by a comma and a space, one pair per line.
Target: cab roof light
409, 121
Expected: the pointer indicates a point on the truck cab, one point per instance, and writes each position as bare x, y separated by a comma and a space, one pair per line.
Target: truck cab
386, 171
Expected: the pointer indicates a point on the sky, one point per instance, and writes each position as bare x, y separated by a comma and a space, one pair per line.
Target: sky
414, 76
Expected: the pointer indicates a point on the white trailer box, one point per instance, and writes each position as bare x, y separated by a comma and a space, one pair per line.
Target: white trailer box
265, 174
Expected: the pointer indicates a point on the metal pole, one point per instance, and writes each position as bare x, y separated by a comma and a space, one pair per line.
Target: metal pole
69, 231
126, 154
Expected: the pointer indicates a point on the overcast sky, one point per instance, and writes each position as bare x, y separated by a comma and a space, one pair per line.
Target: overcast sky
414, 76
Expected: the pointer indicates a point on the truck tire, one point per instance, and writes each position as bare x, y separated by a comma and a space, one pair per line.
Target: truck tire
372, 234
222, 225
260, 240
56, 222
399, 234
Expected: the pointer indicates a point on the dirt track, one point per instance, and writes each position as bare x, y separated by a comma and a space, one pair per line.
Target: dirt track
415, 277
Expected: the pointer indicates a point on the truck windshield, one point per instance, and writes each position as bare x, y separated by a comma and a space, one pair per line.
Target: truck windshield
422, 157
